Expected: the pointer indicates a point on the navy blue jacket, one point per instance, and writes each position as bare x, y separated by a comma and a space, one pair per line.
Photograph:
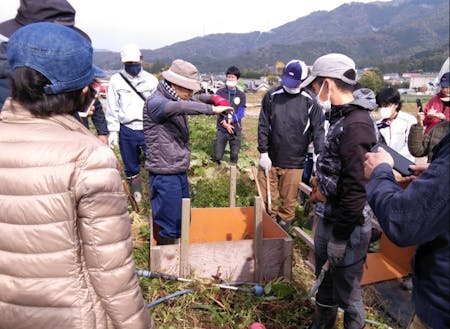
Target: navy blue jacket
419, 215
238, 101
4, 72
98, 119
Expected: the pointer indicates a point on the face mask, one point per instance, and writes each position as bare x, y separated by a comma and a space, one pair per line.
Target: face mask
133, 69
231, 83
326, 105
385, 112
292, 90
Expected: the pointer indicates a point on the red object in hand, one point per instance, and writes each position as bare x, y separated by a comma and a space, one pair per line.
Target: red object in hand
220, 101
257, 325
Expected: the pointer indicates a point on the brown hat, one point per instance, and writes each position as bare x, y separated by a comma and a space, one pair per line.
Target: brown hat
183, 74
32, 11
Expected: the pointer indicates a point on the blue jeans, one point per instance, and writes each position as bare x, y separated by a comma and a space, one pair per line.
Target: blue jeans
342, 283
167, 193
131, 146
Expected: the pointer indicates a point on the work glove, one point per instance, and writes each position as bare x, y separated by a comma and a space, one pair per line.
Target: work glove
219, 101
113, 139
336, 251
316, 195
265, 162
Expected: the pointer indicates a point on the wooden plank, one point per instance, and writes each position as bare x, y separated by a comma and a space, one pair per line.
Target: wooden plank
185, 224
232, 186
304, 236
255, 177
232, 260
258, 238
287, 258
305, 188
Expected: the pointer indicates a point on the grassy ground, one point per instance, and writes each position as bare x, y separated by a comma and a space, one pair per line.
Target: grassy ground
283, 304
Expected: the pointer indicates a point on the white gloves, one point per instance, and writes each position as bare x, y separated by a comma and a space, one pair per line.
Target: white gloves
265, 162
113, 139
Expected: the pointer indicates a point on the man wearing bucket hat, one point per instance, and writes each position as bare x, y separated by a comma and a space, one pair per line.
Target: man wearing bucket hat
31, 11
167, 141
343, 214
125, 99
290, 119
64, 217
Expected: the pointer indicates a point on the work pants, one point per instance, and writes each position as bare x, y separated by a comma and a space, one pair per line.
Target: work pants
220, 142
284, 185
132, 147
167, 192
341, 285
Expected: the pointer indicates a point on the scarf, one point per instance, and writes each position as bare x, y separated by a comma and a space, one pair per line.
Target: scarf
170, 90
384, 123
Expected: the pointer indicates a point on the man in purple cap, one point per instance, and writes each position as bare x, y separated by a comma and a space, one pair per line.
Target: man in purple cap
289, 120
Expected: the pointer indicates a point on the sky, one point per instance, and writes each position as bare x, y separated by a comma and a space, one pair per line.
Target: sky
155, 24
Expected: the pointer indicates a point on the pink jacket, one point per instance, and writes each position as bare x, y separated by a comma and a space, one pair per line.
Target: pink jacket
436, 103
65, 247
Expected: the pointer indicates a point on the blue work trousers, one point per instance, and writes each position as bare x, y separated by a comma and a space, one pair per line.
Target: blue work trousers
167, 192
132, 147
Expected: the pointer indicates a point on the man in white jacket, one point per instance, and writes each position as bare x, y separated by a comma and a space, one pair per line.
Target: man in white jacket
127, 92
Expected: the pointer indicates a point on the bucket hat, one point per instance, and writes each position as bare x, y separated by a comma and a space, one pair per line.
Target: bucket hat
58, 52
183, 74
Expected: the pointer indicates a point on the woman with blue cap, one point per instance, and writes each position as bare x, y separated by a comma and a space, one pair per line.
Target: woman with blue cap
65, 254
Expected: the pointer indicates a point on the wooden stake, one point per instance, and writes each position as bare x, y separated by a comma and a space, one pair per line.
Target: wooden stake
232, 186
184, 246
258, 239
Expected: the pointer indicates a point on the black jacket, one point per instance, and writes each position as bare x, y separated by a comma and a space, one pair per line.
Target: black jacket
340, 168
288, 123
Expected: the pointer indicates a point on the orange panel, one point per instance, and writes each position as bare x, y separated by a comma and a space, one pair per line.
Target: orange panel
228, 224
390, 263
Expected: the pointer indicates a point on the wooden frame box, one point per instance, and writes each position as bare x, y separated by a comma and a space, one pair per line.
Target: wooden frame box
223, 243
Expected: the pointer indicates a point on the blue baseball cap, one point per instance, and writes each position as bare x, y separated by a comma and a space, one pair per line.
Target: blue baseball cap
58, 52
295, 71
445, 80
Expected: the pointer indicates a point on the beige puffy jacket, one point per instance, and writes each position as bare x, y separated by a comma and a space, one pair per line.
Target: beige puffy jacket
65, 245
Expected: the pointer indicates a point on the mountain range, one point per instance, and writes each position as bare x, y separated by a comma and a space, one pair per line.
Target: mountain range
399, 34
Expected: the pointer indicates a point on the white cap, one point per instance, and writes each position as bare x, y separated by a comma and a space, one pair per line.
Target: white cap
130, 53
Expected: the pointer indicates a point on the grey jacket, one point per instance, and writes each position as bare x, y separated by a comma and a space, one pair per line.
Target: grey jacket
421, 145
166, 131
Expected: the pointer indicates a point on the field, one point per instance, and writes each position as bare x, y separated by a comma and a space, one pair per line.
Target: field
283, 304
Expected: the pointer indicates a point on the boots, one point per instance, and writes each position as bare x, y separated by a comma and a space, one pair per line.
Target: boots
324, 317
135, 183
161, 240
